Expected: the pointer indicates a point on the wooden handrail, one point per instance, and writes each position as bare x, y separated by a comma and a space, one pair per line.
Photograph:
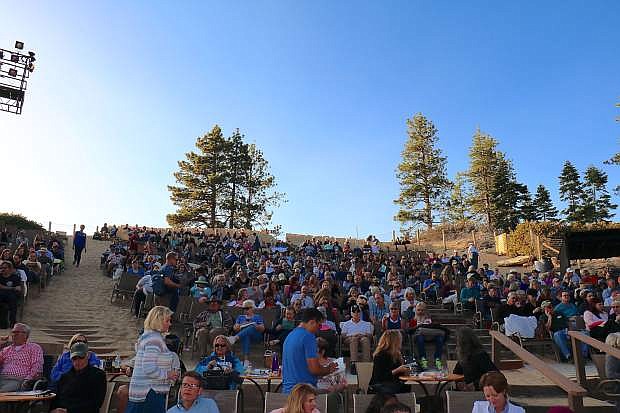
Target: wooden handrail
549, 247
599, 345
570, 387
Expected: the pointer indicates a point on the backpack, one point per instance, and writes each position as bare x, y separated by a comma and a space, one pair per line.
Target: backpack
159, 288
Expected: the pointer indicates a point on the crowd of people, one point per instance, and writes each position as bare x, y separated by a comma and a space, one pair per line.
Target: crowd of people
323, 294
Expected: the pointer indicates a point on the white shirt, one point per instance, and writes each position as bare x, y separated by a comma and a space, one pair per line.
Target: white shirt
484, 406
351, 328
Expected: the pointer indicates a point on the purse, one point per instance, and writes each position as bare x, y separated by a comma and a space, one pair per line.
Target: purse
216, 378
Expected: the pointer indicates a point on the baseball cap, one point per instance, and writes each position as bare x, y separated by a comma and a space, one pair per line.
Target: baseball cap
546, 303
355, 308
79, 350
202, 280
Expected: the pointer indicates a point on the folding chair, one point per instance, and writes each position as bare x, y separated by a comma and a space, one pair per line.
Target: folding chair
361, 401
125, 287
462, 401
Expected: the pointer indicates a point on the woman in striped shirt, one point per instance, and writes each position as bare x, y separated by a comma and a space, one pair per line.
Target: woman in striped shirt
155, 367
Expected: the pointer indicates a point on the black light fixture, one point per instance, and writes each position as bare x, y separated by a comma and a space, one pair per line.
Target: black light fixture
12, 72
31, 54
1, 55
31, 67
19, 45
14, 58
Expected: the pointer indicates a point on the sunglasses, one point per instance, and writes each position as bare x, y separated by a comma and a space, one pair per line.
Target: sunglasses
190, 385
219, 345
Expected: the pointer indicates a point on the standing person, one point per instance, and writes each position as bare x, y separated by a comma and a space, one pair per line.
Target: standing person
171, 280
79, 245
155, 366
472, 255
300, 360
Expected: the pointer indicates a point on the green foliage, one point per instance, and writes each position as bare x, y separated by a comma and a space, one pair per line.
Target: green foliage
597, 204
544, 209
227, 183
483, 163
421, 174
571, 191
519, 240
19, 221
506, 196
460, 197
527, 209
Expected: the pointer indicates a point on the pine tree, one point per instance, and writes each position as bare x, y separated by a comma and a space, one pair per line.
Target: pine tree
202, 178
544, 208
237, 161
571, 191
483, 163
458, 210
421, 173
615, 160
527, 209
259, 193
506, 197
597, 201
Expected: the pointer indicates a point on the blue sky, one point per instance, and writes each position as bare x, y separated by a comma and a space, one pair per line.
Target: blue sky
123, 89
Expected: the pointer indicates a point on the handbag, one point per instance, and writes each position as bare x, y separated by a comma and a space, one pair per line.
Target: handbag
216, 378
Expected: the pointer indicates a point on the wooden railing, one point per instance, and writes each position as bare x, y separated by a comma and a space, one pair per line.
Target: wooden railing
574, 391
576, 338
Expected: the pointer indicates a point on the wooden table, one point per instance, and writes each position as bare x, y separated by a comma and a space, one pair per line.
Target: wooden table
259, 379
440, 380
21, 402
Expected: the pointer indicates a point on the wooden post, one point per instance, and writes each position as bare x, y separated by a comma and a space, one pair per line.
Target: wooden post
74, 229
575, 402
532, 248
495, 351
580, 369
393, 235
49, 226
473, 238
443, 236
538, 248
418, 237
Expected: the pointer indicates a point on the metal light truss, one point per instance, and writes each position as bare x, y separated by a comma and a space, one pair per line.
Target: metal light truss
15, 69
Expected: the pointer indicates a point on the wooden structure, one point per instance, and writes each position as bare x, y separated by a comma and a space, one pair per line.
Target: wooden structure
575, 392
576, 339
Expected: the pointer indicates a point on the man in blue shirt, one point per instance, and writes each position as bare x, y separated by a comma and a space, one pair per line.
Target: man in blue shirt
190, 400
566, 308
300, 362
79, 245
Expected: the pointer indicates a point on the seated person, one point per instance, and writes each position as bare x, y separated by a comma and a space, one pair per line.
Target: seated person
64, 363
211, 323
388, 365
357, 332
469, 294
190, 398
283, 327
302, 399
566, 308
495, 388
426, 330
248, 327
393, 320
223, 357
473, 360
82, 389
331, 383
490, 303
33, 266
201, 289
21, 362
557, 325
144, 287
304, 297
136, 268
10, 290
431, 287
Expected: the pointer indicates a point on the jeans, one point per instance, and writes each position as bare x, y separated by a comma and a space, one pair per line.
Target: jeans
561, 339
154, 403
247, 335
419, 341
77, 255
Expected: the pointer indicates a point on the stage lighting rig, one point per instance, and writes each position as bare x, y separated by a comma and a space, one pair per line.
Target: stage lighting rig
15, 69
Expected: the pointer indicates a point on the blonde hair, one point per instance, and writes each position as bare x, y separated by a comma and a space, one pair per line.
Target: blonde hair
75, 337
225, 339
390, 342
613, 340
421, 318
155, 319
297, 397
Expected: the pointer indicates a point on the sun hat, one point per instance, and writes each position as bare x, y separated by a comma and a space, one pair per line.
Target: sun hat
201, 280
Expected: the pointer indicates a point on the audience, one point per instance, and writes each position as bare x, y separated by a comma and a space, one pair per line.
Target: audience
21, 361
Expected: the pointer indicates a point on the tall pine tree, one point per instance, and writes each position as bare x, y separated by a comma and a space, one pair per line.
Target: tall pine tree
571, 191
459, 199
202, 177
421, 174
506, 197
543, 205
483, 163
597, 201
527, 209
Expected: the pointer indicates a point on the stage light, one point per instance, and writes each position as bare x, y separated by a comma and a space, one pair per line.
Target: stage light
31, 67
14, 58
1, 55
31, 54
12, 72
19, 45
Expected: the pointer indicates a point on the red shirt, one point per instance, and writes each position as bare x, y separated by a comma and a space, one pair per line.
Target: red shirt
24, 363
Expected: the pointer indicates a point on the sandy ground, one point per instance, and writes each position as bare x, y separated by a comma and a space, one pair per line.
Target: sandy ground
78, 300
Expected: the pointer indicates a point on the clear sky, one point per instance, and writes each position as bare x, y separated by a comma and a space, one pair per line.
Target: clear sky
123, 89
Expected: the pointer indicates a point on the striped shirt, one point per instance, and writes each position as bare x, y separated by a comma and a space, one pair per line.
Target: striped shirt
23, 362
152, 363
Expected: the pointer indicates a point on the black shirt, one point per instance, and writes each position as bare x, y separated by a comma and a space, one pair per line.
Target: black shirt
81, 392
475, 366
13, 280
382, 366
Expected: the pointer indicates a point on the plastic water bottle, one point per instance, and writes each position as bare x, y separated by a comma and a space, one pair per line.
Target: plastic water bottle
117, 362
275, 366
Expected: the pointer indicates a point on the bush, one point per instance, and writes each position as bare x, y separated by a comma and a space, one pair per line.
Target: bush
519, 242
19, 221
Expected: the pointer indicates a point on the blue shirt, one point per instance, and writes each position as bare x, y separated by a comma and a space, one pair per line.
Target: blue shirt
567, 310
201, 405
79, 239
230, 360
299, 346
64, 364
